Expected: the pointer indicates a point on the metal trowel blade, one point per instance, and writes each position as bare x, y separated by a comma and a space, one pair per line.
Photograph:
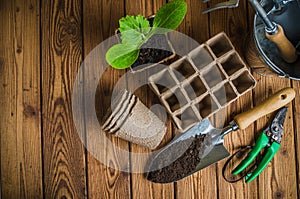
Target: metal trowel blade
211, 151
217, 153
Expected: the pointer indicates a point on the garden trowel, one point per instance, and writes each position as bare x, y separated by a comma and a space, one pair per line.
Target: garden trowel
212, 148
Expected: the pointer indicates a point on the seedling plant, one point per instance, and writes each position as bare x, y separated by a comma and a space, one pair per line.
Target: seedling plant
136, 31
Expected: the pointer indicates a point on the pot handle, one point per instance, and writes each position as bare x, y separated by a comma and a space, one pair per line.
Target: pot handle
285, 47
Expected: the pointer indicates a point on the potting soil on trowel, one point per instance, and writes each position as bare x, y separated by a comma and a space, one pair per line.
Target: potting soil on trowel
182, 166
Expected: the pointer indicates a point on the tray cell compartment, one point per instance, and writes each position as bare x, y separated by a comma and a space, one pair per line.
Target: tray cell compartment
195, 88
175, 100
244, 82
232, 64
220, 45
206, 106
162, 82
225, 94
188, 118
183, 69
213, 76
201, 57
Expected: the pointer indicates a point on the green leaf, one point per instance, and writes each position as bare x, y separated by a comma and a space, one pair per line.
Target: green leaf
122, 56
131, 37
143, 23
133, 29
170, 16
136, 30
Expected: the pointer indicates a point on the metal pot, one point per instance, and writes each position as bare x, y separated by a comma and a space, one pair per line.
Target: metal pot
287, 14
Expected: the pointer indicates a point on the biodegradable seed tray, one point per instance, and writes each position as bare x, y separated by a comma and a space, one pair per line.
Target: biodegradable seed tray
201, 83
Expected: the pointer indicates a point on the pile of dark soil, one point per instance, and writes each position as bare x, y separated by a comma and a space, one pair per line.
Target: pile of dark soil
182, 166
153, 55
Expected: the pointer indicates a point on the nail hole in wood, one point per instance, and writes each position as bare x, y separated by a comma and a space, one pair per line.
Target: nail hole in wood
278, 195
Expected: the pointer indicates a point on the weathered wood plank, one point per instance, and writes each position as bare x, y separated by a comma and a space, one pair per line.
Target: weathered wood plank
10, 169
296, 114
251, 13
100, 22
64, 159
233, 142
201, 184
195, 24
278, 179
141, 187
234, 23
273, 182
20, 121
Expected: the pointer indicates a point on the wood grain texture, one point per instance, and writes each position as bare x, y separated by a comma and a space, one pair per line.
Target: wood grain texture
296, 114
196, 26
251, 13
272, 183
100, 22
20, 123
234, 23
42, 46
63, 152
140, 186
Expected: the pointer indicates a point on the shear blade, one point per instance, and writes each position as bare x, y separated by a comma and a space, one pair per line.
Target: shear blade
280, 116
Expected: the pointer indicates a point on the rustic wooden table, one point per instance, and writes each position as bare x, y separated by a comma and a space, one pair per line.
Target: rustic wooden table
42, 46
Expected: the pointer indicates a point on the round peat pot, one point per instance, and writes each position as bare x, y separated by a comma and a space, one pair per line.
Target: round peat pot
266, 49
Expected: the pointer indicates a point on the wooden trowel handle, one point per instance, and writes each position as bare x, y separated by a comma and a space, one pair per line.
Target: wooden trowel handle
285, 47
276, 101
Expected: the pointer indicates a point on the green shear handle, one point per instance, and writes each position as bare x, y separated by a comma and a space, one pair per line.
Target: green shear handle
265, 161
270, 138
262, 142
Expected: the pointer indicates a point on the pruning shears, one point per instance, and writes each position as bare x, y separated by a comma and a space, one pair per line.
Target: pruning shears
269, 138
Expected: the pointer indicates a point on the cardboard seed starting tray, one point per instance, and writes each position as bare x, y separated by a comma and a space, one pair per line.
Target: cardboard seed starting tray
206, 80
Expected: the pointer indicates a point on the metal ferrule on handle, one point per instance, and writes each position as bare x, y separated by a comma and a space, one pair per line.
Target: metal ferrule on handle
232, 127
271, 27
